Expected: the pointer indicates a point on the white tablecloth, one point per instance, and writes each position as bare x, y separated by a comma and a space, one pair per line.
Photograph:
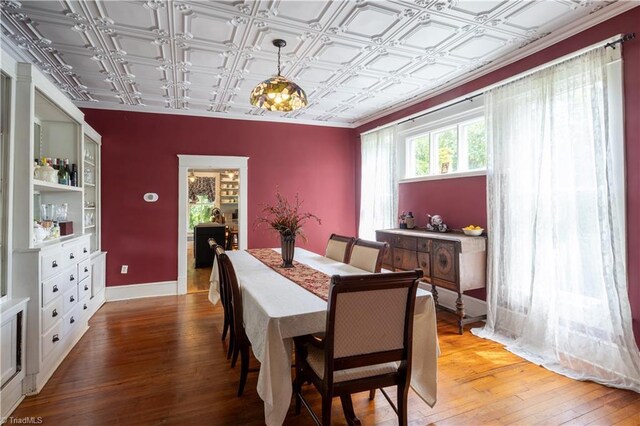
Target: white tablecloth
276, 310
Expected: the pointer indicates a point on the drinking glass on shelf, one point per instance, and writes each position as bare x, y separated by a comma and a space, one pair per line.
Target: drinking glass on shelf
61, 212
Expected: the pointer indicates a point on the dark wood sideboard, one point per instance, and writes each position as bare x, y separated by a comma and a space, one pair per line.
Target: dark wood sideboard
450, 260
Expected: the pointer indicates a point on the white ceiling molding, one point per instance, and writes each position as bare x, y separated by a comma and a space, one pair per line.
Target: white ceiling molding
357, 60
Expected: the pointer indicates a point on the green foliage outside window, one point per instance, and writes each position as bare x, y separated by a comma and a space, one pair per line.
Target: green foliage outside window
422, 150
477, 145
448, 150
200, 212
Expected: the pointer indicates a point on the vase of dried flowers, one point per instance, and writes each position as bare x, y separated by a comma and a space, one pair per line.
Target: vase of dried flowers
286, 219
288, 248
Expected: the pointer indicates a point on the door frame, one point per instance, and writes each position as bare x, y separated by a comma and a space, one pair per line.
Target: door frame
186, 162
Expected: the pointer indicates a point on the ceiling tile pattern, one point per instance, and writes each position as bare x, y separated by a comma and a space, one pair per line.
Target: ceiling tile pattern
353, 58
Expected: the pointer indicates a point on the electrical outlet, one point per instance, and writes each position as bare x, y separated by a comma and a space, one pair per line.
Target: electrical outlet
124, 269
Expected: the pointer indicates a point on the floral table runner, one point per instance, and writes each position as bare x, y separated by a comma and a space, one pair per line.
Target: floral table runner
305, 276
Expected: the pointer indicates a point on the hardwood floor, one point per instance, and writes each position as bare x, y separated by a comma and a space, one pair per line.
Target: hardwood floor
197, 278
160, 361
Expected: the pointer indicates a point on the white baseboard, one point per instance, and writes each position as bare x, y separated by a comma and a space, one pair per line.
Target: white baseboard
136, 291
472, 307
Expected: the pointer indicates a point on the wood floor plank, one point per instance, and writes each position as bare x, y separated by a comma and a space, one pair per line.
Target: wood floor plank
161, 361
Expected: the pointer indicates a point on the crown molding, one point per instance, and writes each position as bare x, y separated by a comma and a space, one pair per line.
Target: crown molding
554, 38
160, 110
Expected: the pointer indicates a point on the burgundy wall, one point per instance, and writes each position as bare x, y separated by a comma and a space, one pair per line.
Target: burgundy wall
139, 155
463, 200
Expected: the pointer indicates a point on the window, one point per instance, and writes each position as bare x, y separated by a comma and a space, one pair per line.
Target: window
454, 148
200, 211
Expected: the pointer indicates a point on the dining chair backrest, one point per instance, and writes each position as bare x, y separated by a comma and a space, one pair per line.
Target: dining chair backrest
369, 319
233, 293
339, 247
368, 255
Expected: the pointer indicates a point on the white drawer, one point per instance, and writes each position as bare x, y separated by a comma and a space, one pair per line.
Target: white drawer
84, 269
52, 288
70, 320
84, 249
83, 307
51, 314
69, 278
70, 299
51, 339
71, 253
84, 288
52, 263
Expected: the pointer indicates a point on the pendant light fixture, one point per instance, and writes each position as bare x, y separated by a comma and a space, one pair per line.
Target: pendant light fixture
278, 93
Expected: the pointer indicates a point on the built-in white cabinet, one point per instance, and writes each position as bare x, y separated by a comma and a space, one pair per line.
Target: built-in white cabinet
57, 262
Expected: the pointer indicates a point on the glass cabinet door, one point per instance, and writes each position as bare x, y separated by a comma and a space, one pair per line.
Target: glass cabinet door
90, 183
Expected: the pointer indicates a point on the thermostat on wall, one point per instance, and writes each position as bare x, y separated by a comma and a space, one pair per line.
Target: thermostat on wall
150, 197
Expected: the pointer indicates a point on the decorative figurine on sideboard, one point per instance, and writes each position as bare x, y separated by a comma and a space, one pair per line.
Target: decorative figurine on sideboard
410, 221
402, 221
435, 223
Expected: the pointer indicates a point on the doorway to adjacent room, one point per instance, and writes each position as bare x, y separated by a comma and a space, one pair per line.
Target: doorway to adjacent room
212, 203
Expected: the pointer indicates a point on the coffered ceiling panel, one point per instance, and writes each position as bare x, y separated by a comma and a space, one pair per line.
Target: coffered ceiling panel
355, 59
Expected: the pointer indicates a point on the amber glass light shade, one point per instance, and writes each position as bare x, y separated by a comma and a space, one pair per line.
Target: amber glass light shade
278, 94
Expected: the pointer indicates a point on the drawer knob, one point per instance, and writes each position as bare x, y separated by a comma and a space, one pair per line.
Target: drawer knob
86, 287
84, 250
86, 269
72, 320
71, 278
55, 289
423, 264
54, 264
72, 299
84, 306
398, 259
54, 313
55, 338
71, 256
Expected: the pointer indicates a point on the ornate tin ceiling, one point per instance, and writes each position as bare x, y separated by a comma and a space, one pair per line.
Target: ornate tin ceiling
355, 59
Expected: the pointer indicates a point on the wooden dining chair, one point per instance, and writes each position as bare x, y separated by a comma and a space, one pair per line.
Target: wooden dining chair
368, 255
339, 247
225, 299
362, 349
225, 327
241, 341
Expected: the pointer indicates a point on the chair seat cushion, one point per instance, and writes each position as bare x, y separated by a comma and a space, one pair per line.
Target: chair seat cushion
315, 359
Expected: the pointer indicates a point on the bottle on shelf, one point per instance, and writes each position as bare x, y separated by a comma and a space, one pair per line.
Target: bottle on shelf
74, 175
63, 175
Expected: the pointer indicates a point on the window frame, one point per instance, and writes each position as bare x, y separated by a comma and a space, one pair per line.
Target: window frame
408, 135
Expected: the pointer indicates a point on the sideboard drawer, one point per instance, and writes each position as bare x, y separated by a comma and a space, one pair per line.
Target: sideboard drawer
443, 261
424, 245
424, 263
404, 259
407, 243
84, 288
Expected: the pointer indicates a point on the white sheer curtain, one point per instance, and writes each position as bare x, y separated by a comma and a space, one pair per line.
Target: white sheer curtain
379, 183
557, 292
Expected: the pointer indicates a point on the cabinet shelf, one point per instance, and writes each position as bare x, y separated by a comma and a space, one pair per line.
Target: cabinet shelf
91, 163
89, 227
90, 185
42, 186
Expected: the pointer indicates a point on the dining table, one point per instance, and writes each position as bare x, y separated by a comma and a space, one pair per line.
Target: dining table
276, 309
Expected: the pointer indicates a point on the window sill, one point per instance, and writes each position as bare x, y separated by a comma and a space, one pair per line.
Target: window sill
444, 176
